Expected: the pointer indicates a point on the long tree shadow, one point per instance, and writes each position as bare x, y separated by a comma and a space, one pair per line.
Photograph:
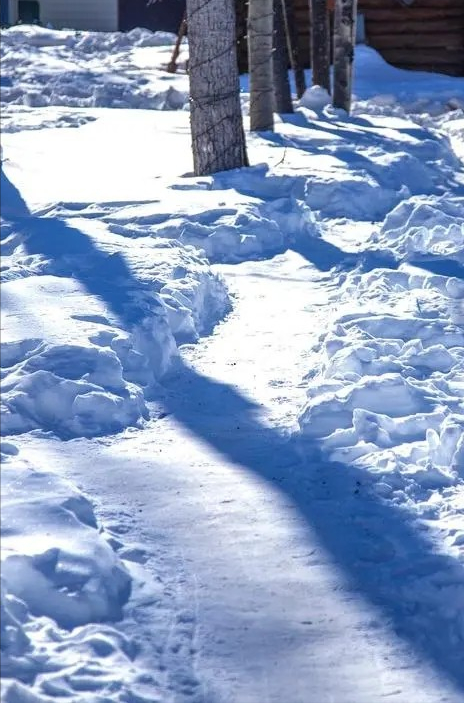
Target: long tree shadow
71, 252
386, 559
326, 256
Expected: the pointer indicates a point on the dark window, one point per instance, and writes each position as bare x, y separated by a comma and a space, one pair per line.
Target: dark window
28, 12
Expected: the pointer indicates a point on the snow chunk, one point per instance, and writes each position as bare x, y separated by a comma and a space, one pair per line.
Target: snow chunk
62, 586
53, 558
425, 227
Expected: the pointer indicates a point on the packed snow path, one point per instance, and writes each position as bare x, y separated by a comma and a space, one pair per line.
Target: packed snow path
276, 581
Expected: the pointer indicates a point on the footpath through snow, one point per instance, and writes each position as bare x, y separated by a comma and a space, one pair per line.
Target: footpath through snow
256, 379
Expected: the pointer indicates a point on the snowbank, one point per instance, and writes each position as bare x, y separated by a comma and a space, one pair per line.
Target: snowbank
78, 354
386, 397
380, 88
54, 559
388, 392
228, 225
43, 67
358, 168
425, 227
62, 586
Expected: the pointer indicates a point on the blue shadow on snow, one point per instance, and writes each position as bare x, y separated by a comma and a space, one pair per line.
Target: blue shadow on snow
105, 274
358, 529
380, 551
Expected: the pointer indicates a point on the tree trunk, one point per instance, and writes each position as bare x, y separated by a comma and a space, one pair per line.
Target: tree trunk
282, 92
172, 65
320, 43
344, 43
218, 140
260, 41
292, 46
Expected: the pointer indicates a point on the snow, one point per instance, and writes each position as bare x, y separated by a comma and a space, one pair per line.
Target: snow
425, 227
43, 67
233, 406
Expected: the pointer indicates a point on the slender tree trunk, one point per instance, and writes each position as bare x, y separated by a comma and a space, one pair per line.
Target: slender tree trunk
292, 47
218, 140
344, 43
320, 43
260, 41
282, 92
172, 65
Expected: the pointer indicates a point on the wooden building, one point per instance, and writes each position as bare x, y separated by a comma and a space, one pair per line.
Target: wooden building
422, 35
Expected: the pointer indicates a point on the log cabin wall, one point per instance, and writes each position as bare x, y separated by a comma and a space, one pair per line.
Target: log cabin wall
427, 35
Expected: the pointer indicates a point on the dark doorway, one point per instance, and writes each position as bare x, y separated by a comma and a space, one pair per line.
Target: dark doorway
28, 12
161, 16
4, 13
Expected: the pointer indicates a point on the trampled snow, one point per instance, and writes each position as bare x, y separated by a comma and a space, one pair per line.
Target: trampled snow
256, 380
43, 67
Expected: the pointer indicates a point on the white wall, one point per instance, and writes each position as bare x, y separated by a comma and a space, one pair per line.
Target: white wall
100, 15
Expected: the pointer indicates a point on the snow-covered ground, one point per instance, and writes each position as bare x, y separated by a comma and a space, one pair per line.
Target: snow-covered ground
232, 407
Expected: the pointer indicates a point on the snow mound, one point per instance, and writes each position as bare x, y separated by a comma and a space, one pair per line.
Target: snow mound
425, 227
68, 369
43, 67
227, 225
380, 87
62, 586
315, 98
388, 392
53, 559
358, 168
92, 320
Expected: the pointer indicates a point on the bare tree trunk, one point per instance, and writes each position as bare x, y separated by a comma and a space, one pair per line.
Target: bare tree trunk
260, 41
218, 140
282, 92
320, 43
172, 65
292, 46
344, 43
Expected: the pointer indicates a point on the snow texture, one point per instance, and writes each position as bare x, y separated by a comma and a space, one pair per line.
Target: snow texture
159, 334
43, 67
62, 584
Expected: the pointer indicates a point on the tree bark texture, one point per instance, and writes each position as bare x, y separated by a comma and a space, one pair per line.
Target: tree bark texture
218, 139
282, 91
260, 48
344, 43
320, 43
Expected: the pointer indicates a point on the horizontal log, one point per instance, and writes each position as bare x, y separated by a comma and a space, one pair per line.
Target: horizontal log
417, 5
445, 42
415, 14
419, 57
451, 24
407, 16
394, 7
